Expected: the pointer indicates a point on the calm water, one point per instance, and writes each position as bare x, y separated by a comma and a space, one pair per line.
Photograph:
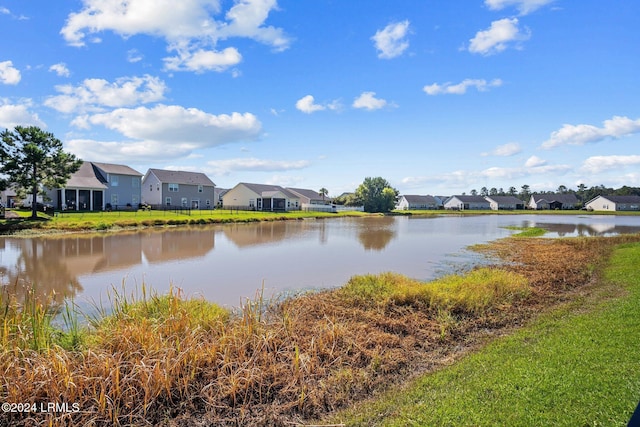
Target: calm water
228, 263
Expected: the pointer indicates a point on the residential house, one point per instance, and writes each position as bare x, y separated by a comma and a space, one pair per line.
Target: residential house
508, 203
464, 203
178, 188
97, 186
614, 203
309, 197
553, 201
260, 197
409, 202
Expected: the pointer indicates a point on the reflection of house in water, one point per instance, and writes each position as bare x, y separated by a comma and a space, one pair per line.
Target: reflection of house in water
376, 233
596, 229
245, 235
168, 245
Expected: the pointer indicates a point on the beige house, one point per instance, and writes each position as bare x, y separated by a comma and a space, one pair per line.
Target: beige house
260, 197
614, 203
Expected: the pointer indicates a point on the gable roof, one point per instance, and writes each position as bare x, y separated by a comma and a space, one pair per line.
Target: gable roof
182, 177
309, 194
470, 199
86, 177
267, 189
565, 199
622, 199
505, 199
416, 199
116, 169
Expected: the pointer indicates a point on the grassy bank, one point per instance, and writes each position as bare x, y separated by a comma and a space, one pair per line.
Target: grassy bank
172, 360
574, 366
103, 221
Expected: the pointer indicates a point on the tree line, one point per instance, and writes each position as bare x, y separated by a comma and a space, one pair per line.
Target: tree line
583, 193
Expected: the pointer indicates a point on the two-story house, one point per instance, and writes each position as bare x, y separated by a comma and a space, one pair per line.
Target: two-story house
183, 189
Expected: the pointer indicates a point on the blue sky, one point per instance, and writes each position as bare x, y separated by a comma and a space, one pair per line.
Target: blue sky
438, 97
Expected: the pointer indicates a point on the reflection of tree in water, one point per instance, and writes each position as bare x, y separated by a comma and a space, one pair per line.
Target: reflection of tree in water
38, 266
376, 233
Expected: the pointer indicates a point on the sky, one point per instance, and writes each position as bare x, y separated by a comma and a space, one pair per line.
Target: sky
438, 97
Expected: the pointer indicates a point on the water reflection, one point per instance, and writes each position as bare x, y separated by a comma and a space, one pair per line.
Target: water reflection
227, 262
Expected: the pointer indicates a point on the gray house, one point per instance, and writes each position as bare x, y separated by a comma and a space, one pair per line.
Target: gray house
464, 203
614, 203
309, 197
97, 186
178, 188
409, 202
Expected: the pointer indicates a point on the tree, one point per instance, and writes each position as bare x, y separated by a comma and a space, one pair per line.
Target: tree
377, 195
32, 159
562, 189
513, 191
525, 192
474, 192
484, 192
323, 192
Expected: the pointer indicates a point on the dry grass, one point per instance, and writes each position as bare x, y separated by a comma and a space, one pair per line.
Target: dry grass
167, 360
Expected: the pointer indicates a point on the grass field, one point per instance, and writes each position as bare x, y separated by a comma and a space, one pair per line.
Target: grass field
575, 366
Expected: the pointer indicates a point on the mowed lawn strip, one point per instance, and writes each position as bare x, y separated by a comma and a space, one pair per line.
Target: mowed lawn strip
575, 366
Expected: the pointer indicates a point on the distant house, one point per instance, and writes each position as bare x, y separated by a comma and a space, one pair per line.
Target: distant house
614, 203
504, 203
97, 186
553, 201
218, 193
309, 197
464, 203
260, 197
410, 202
178, 188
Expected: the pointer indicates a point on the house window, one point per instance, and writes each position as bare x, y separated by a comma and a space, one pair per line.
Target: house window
208, 202
114, 200
150, 187
252, 203
134, 200
114, 180
135, 182
199, 188
167, 201
184, 202
174, 187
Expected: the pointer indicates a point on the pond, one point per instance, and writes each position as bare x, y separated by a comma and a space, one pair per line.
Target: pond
228, 263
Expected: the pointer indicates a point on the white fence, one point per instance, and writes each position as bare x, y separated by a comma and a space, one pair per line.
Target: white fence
330, 208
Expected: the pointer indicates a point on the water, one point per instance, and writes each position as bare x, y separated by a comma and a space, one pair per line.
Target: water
228, 263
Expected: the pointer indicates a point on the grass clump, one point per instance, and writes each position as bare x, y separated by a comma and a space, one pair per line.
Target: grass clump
527, 231
476, 292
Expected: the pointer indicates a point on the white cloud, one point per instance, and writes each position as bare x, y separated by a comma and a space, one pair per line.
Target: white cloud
461, 88
133, 56
391, 40
524, 6
224, 167
534, 161
368, 101
506, 150
95, 94
5, 11
615, 127
597, 164
307, 104
12, 115
203, 60
164, 132
8, 74
497, 37
60, 69
285, 180
188, 27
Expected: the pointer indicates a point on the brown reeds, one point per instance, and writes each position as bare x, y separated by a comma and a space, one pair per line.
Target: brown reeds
169, 360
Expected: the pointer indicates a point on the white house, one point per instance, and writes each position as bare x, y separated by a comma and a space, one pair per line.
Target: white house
614, 203
464, 203
260, 197
409, 202
508, 203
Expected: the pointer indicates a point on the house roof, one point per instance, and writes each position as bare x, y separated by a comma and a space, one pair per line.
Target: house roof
182, 177
471, 199
309, 194
505, 199
85, 177
622, 199
116, 169
266, 188
412, 198
566, 199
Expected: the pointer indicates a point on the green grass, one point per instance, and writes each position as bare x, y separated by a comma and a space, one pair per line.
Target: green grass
575, 366
527, 231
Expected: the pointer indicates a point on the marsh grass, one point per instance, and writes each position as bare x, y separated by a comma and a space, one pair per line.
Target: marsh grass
171, 359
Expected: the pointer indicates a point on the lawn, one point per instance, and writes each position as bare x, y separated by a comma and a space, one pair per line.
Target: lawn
575, 366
